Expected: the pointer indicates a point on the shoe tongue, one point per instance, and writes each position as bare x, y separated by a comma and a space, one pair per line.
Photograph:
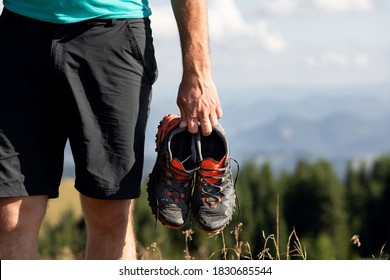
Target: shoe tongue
178, 165
210, 168
211, 163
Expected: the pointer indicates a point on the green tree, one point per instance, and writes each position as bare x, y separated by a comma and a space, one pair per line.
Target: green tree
314, 206
357, 206
379, 205
258, 194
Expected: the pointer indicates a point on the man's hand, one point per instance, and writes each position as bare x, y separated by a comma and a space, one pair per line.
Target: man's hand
197, 96
199, 104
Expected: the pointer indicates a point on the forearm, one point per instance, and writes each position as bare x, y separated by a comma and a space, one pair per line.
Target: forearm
197, 96
192, 21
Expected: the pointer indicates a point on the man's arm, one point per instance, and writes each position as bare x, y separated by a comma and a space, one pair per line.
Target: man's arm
197, 96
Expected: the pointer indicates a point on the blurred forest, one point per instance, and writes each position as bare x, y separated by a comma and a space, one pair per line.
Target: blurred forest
308, 213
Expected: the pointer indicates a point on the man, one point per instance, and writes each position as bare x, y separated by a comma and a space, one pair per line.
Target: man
83, 70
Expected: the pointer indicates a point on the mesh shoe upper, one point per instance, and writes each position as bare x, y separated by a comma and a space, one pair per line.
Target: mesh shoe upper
213, 199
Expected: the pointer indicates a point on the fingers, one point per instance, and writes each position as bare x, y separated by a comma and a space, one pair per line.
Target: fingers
199, 119
199, 105
193, 124
213, 120
183, 115
208, 121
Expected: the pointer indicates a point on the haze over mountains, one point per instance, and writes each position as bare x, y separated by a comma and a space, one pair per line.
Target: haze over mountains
283, 125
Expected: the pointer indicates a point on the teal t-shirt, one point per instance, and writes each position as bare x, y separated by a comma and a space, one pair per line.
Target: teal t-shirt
69, 11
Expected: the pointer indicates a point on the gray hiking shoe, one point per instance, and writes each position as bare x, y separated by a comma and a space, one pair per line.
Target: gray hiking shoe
171, 181
214, 196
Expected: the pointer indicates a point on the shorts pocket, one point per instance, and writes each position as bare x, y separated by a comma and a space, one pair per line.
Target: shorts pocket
141, 45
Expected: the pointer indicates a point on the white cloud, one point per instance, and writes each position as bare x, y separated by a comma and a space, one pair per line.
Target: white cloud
332, 58
270, 40
311, 60
326, 59
280, 6
344, 6
362, 60
283, 7
287, 7
227, 26
163, 22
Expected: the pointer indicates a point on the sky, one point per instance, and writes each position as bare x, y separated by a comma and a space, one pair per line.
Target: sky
258, 44
272, 43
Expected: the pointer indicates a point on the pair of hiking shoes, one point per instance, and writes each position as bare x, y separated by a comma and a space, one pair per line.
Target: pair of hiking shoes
192, 174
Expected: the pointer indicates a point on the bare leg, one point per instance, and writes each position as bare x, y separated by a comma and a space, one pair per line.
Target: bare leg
20, 221
110, 229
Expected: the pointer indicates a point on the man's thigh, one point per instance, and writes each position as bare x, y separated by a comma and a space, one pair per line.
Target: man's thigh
30, 135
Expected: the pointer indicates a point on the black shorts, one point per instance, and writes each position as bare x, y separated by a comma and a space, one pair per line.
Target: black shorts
89, 82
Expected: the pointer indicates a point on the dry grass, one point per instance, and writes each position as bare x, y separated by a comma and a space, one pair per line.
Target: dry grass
240, 250
188, 237
152, 252
68, 200
382, 255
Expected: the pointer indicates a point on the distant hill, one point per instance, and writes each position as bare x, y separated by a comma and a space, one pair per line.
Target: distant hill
338, 137
337, 134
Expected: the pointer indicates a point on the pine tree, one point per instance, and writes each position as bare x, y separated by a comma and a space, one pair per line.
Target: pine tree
314, 207
258, 202
357, 205
379, 206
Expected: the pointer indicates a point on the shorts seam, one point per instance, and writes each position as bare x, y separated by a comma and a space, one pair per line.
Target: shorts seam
10, 189
133, 42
